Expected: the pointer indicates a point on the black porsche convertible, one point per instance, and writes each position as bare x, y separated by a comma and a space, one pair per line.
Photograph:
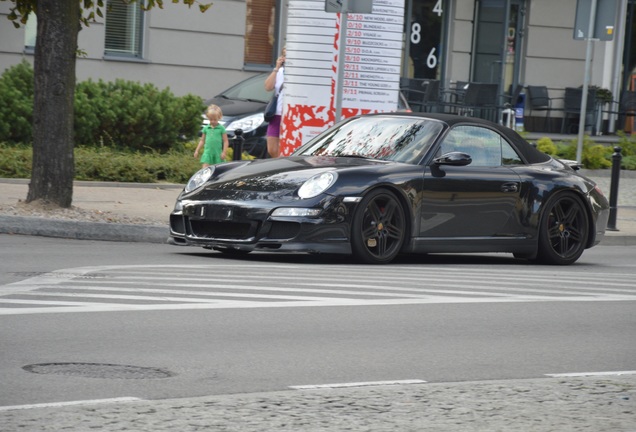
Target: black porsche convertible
381, 185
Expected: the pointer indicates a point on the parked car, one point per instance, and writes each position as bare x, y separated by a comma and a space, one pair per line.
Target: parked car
243, 107
379, 185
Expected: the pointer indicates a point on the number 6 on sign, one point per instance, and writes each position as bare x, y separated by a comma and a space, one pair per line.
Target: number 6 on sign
431, 60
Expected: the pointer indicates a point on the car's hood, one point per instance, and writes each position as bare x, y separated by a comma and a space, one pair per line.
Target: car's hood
280, 177
236, 107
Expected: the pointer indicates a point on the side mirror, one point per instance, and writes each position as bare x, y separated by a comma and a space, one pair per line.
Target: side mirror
453, 158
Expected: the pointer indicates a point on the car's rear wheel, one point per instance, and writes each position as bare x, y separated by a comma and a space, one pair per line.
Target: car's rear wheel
563, 230
379, 228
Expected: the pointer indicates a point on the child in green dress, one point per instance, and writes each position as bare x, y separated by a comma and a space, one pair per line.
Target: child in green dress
213, 139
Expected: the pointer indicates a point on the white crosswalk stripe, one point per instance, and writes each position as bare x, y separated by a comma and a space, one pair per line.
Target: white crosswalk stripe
148, 287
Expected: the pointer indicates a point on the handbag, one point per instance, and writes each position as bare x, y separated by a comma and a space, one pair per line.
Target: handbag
270, 110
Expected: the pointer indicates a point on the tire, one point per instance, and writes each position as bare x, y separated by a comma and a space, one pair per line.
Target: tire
378, 229
563, 231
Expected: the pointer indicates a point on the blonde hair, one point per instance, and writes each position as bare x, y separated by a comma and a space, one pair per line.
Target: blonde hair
214, 110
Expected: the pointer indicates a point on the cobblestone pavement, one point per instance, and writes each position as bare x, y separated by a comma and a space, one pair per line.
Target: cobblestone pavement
594, 404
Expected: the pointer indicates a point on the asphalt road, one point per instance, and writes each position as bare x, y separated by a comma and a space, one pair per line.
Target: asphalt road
87, 320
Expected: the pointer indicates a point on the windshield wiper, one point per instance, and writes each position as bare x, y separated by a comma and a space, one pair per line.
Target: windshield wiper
352, 156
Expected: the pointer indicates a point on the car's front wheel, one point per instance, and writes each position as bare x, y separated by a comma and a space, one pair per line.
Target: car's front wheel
563, 230
379, 228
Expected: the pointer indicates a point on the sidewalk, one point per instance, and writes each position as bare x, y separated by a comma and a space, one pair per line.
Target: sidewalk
593, 403
141, 211
134, 212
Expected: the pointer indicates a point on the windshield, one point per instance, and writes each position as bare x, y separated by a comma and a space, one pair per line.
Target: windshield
251, 89
391, 138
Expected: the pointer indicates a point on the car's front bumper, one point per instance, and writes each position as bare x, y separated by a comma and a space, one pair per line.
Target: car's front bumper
215, 225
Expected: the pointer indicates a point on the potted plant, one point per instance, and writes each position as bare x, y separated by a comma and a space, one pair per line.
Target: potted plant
602, 97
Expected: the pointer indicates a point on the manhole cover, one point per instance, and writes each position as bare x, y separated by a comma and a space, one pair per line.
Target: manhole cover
98, 370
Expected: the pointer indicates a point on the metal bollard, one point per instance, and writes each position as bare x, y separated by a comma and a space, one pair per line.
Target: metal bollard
613, 197
237, 144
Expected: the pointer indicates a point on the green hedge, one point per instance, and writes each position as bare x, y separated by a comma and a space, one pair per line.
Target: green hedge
120, 114
133, 116
593, 156
107, 164
16, 104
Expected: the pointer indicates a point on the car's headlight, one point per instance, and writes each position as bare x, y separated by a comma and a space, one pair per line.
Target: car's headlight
296, 212
248, 124
317, 185
199, 178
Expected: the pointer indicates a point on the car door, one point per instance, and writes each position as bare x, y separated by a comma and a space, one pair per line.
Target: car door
479, 200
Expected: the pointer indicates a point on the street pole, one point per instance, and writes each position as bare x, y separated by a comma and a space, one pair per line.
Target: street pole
619, 45
586, 79
342, 39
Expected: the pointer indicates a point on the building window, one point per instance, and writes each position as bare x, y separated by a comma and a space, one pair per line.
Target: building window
124, 29
31, 31
260, 32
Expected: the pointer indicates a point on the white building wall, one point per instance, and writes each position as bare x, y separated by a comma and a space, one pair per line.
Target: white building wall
185, 50
553, 57
461, 36
202, 54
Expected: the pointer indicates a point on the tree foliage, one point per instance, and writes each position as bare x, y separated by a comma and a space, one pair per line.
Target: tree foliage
91, 9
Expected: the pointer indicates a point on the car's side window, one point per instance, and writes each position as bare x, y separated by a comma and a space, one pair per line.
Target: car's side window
486, 147
509, 155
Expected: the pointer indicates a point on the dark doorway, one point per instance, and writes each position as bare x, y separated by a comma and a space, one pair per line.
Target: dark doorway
497, 42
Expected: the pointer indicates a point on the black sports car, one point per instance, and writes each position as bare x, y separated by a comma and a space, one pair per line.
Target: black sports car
379, 185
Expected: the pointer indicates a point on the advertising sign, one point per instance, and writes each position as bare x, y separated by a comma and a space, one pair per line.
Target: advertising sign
356, 6
604, 19
373, 50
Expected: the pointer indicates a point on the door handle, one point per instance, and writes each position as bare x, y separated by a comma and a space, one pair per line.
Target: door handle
510, 187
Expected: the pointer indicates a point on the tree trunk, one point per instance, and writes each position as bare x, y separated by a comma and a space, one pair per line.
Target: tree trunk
54, 86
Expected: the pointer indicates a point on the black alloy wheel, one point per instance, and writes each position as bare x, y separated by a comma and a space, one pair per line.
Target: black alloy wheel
379, 228
564, 229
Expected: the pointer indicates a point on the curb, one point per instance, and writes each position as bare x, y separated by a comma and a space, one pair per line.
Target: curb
79, 230
83, 230
618, 240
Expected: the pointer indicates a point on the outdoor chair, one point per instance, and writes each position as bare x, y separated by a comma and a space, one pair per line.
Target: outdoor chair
454, 95
421, 94
486, 105
478, 100
510, 100
572, 109
624, 108
462, 99
538, 99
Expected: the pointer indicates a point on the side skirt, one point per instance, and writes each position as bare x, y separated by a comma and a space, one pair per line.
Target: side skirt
521, 245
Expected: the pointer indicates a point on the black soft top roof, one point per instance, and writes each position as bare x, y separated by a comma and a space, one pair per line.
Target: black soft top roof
528, 151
